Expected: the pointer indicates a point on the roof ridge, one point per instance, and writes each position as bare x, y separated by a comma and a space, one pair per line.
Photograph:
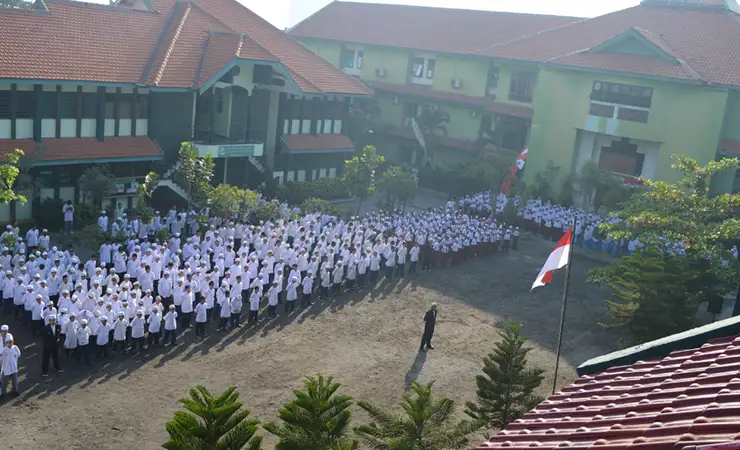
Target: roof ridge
199, 69
158, 45
168, 52
445, 8
109, 7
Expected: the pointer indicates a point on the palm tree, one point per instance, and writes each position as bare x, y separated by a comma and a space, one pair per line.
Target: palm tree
212, 423
431, 121
316, 420
425, 424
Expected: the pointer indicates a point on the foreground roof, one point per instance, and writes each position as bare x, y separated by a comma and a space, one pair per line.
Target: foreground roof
421, 28
173, 44
703, 42
688, 398
84, 150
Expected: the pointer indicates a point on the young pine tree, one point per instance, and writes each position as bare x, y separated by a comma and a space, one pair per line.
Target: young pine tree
316, 420
506, 388
425, 423
212, 423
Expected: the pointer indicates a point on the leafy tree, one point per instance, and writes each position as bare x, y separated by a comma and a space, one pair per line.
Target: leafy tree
666, 216
195, 172
424, 424
599, 188
150, 184
398, 186
97, 182
228, 201
15, 4
317, 205
544, 183
506, 388
359, 176
212, 423
8, 174
317, 419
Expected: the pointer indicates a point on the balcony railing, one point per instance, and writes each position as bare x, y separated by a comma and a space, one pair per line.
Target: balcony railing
237, 133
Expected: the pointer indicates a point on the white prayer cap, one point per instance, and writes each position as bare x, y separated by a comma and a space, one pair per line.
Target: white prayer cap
4, 328
121, 314
434, 304
83, 321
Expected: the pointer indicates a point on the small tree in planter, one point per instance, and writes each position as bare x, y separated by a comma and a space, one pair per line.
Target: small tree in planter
195, 172
398, 186
359, 175
97, 182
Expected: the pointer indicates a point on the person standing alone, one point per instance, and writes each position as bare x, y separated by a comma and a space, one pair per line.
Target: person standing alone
430, 320
52, 335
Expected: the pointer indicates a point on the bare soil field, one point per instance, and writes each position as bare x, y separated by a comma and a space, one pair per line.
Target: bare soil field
367, 340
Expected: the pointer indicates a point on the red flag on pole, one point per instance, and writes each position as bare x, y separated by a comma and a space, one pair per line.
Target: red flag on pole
558, 258
516, 167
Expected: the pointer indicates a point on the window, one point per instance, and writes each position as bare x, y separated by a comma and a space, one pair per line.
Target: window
124, 109
422, 70
633, 115
110, 106
68, 105
352, 58
622, 94
142, 106
4, 104
48, 104
23, 104
521, 87
493, 73
89, 105
597, 109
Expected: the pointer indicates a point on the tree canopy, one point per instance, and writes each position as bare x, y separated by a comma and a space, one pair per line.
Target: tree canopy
8, 174
359, 176
194, 172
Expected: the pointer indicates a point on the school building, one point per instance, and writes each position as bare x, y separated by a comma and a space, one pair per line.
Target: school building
626, 90
124, 84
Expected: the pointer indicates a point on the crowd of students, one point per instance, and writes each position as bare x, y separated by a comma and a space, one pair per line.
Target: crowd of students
144, 293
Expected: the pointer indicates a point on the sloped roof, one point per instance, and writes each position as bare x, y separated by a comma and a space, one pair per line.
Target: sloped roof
84, 149
421, 28
689, 398
705, 40
309, 142
162, 47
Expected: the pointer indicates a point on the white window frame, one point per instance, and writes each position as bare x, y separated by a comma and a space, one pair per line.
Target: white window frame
427, 69
358, 57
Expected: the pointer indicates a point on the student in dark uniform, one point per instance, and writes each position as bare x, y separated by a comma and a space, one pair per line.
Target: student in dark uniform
52, 336
430, 320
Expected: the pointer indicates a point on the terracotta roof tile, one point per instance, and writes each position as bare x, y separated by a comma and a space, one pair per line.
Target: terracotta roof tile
688, 398
488, 104
316, 75
708, 40
218, 51
421, 28
730, 146
306, 141
78, 41
66, 149
616, 62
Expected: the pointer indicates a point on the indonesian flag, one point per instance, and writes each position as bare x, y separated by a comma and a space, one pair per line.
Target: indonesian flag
515, 168
557, 259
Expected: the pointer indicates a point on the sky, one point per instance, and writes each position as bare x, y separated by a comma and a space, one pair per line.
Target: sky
286, 13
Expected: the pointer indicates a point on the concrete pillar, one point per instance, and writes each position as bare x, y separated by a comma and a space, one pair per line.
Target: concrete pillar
272, 124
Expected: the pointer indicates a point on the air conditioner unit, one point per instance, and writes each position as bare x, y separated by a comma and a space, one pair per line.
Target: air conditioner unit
473, 113
380, 72
457, 83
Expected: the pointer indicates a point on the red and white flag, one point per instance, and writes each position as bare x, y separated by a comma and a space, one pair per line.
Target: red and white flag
558, 259
516, 167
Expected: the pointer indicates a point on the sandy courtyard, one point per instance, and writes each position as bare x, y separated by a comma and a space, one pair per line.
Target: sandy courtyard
368, 341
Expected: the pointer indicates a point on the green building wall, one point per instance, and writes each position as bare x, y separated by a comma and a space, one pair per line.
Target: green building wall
685, 119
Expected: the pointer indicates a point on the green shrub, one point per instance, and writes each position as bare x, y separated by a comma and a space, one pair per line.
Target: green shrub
85, 214
48, 214
296, 192
318, 205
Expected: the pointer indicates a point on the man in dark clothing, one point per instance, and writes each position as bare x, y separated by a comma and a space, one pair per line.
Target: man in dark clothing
430, 320
51, 334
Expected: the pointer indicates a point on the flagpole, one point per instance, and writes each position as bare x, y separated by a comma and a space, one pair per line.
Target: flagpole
563, 306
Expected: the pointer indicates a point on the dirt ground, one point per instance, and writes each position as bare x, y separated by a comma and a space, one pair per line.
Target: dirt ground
368, 341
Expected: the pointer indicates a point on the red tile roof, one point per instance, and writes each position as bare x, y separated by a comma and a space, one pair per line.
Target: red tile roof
488, 104
421, 28
706, 41
639, 64
306, 141
67, 149
689, 398
730, 146
163, 47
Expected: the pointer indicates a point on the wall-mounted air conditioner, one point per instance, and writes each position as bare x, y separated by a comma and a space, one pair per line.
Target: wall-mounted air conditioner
380, 72
457, 83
